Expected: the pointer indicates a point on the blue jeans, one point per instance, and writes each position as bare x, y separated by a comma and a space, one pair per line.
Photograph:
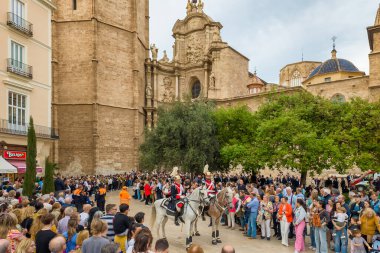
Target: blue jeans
312, 237
320, 240
252, 225
340, 243
242, 221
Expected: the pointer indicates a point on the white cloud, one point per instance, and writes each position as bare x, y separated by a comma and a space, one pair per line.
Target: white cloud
273, 33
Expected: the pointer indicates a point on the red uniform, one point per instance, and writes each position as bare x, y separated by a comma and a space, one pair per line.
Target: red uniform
179, 193
210, 187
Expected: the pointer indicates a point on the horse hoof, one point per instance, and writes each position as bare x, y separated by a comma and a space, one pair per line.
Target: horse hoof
219, 241
197, 234
214, 242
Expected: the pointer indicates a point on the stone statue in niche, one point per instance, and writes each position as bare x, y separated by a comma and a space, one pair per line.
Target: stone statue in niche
216, 36
165, 58
168, 94
212, 81
148, 91
194, 50
154, 51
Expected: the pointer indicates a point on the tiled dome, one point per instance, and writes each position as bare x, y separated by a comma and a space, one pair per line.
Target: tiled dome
334, 65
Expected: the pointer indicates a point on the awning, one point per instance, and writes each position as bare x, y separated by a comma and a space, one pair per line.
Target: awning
6, 167
21, 166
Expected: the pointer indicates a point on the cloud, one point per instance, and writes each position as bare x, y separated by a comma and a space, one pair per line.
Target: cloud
273, 33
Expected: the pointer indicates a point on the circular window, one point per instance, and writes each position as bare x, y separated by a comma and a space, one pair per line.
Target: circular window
196, 89
338, 98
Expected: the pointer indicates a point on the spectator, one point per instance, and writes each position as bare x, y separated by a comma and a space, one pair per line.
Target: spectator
121, 225
320, 220
369, 224
124, 196
140, 218
4, 244
143, 242
26, 246
82, 236
266, 210
95, 243
111, 210
9, 231
253, 205
57, 245
45, 235
228, 249
300, 224
162, 246
285, 216
194, 248
132, 232
85, 215
71, 234
111, 248
62, 224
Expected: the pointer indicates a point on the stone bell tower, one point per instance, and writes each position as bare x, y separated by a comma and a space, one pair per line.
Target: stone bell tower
374, 58
99, 48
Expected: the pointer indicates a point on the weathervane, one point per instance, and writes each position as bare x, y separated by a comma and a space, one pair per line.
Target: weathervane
334, 39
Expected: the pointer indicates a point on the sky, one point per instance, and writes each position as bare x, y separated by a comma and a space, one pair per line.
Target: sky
273, 33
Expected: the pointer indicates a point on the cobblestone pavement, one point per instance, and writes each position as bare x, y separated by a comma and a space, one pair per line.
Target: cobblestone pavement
235, 238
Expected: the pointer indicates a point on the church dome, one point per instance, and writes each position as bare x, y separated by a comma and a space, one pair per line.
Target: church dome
334, 65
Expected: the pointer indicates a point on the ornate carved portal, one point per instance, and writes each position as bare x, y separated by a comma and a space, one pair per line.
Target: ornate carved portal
194, 50
168, 95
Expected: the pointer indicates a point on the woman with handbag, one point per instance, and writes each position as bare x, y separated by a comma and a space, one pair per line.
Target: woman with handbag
265, 214
320, 220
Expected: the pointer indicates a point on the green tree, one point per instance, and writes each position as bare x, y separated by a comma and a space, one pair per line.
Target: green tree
31, 163
236, 131
48, 184
185, 136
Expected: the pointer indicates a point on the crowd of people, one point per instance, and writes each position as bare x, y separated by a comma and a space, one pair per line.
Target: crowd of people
327, 214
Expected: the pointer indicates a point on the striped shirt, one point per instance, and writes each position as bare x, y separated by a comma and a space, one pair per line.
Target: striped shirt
109, 219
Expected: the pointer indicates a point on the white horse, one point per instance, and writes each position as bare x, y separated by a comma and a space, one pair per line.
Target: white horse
191, 212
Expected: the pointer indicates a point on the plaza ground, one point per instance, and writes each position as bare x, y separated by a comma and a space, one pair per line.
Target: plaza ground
235, 238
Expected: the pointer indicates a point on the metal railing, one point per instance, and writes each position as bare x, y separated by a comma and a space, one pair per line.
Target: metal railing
20, 129
20, 24
19, 68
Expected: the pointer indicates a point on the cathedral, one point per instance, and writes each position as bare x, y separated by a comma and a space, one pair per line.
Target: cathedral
108, 81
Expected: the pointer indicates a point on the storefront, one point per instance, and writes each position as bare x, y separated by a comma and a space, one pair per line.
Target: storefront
15, 155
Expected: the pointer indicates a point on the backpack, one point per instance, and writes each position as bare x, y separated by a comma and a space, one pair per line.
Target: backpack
317, 220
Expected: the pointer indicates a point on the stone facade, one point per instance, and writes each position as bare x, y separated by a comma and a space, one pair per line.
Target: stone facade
108, 81
98, 75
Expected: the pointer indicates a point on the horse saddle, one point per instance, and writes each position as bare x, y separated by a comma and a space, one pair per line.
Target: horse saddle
169, 205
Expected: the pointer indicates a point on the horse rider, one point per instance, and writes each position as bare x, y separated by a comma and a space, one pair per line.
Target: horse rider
177, 196
210, 186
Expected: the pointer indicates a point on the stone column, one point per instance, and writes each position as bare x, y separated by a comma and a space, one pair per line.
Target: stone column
206, 84
176, 86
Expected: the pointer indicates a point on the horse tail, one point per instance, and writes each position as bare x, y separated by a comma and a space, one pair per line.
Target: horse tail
153, 216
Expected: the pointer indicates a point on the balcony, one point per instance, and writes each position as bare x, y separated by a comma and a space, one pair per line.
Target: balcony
19, 68
20, 24
41, 131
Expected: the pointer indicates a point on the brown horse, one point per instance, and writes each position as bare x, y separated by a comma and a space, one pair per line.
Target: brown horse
218, 205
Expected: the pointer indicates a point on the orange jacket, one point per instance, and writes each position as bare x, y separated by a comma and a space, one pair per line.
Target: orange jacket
124, 197
288, 212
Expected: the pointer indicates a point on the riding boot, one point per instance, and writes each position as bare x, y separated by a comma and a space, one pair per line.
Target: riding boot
176, 218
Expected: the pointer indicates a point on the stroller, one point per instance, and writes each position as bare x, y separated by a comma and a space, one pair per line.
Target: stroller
376, 244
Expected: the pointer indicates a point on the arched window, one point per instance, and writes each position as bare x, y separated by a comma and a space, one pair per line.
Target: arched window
338, 98
196, 89
296, 79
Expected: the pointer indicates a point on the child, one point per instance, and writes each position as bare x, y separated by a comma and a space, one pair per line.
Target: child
340, 219
354, 226
358, 242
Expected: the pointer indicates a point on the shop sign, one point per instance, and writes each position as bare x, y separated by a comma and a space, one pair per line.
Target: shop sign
15, 155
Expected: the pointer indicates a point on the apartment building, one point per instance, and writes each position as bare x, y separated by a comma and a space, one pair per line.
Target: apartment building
26, 79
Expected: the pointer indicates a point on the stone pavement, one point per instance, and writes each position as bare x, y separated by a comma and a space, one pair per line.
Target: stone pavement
176, 237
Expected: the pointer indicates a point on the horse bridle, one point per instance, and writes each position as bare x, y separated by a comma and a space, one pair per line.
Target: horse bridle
223, 201
202, 201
